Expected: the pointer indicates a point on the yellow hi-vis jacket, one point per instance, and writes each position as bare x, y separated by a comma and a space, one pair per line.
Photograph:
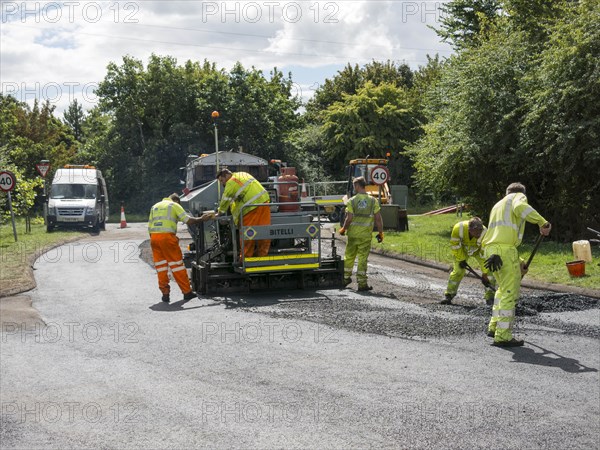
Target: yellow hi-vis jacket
363, 208
462, 244
507, 220
164, 217
242, 189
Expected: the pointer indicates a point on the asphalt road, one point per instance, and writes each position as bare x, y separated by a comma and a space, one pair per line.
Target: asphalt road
116, 368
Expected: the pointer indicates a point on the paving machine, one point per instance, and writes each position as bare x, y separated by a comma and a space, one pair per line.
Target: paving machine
301, 255
297, 257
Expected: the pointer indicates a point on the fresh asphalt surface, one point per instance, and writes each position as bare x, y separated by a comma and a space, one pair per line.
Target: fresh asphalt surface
116, 368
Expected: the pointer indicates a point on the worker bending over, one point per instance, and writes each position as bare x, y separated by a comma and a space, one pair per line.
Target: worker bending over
465, 242
362, 211
504, 235
241, 189
162, 226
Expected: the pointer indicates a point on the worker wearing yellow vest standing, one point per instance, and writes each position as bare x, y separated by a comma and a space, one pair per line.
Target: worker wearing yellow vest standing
162, 226
505, 232
465, 243
241, 189
362, 211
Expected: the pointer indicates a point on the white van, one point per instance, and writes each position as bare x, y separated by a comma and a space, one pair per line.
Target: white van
77, 198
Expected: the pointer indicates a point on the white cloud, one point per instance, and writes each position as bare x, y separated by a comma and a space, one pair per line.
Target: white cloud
48, 44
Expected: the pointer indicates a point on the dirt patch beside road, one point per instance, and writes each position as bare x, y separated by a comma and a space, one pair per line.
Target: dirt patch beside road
18, 311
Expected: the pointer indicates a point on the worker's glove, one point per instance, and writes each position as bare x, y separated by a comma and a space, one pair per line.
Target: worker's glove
493, 263
524, 269
342, 231
380, 237
462, 264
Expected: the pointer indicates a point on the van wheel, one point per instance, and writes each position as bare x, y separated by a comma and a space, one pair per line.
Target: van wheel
49, 228
103, 225
96, 227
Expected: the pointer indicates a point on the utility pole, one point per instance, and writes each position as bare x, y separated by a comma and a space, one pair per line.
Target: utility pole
215, 116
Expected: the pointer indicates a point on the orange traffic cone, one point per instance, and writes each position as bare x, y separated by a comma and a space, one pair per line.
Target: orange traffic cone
123, 221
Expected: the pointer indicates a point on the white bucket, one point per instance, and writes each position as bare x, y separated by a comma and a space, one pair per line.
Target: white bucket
582, 251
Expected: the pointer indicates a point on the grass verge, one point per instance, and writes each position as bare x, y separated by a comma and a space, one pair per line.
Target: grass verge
428, 239
16, 258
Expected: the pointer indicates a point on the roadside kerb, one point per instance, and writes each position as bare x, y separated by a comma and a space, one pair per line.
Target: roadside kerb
528, 283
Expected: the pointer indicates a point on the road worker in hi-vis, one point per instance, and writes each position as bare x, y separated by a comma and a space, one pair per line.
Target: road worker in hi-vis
162, 226
362, 211
505, 232
465, 242
243, 190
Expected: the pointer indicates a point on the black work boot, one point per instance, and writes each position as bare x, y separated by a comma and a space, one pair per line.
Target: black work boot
512, 343
166, 298
364, 288
447, 300
190, 295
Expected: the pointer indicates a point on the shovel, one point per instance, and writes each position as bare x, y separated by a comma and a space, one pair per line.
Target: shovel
486, 284
538, 241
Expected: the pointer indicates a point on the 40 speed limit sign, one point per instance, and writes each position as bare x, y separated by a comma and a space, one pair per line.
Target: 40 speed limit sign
380, 175
7, 181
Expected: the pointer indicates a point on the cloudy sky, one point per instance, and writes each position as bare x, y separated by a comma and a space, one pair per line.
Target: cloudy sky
59, 50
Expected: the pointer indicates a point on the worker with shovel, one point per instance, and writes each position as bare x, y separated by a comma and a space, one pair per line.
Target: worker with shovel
504, 235
465, 242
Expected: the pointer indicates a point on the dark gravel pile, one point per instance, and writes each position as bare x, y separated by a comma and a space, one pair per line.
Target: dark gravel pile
532, 305
360, 316
558, 302
436, 322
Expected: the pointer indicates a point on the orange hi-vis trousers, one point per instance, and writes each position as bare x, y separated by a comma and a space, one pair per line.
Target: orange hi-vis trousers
167, 255
258, 216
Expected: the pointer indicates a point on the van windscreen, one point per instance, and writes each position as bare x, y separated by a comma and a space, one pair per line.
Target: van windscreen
86, 191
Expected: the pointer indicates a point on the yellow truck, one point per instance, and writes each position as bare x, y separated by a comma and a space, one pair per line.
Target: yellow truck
376, 173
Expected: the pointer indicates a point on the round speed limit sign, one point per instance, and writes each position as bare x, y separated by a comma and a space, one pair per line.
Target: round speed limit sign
380, 175
7, 181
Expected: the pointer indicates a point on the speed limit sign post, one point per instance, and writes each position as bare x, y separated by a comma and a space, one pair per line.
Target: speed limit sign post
7, 184
379, 176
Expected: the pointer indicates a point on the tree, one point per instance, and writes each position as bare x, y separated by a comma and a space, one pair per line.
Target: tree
351, 78
464, 21
304, 150
470, 146
162, 112
24, 194
28, 135
520, 106
73, 117
259, 112
561, 131
374, 121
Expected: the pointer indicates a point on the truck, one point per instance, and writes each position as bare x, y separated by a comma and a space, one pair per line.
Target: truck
78, 198
375, 172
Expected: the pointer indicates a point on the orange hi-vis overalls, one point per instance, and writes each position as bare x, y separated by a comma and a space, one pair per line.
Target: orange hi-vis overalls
241, 190
162, 226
